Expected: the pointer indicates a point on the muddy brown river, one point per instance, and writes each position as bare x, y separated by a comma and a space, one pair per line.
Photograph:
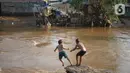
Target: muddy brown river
107, 48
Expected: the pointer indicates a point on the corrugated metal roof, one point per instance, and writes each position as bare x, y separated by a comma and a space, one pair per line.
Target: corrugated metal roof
20, 0
24, 0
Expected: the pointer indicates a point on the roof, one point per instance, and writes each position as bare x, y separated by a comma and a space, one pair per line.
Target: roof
20, 0
24, 0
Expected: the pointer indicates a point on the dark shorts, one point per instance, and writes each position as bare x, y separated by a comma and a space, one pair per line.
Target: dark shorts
62, 54
81, 53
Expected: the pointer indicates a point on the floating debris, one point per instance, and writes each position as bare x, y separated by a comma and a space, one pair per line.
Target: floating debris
1, 52
9, 18
39, 44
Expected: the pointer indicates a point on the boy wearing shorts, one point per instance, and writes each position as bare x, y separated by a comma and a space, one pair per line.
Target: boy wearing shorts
62, 53
82, 51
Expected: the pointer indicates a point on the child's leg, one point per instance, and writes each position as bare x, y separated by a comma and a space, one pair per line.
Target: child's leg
65, 55
62, 62
78, 54
80, 60
81, 55
69, 60
60, 58
76, 59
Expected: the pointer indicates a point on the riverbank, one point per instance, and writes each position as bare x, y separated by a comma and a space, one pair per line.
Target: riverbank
17, 21
30, 21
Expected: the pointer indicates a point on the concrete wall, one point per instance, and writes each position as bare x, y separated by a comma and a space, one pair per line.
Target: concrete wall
19, 0
19, 7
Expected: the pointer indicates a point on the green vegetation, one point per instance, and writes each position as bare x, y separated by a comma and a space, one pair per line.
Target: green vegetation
105, 7
108, 6
76, 3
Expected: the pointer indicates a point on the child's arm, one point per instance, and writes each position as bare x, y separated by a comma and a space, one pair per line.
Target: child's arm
55, 49
65, 48
74, 48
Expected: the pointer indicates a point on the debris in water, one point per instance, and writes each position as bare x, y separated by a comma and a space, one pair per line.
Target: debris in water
39, 44
1, 52
12, 23
35, 43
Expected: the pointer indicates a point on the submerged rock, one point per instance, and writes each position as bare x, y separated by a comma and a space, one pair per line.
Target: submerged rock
84, 69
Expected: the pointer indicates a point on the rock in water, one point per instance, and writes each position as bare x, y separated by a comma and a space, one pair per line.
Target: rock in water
78, 69
84, 69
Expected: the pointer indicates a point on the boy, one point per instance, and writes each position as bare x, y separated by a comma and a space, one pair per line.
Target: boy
62, 52
82, 51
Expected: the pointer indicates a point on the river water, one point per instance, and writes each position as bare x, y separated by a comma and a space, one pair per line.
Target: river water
107, 48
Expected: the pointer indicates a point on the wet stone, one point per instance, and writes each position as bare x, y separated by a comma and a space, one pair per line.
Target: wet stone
84, 69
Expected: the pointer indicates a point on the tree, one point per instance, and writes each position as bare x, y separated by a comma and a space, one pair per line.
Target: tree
76, 4
108, 6
98, 7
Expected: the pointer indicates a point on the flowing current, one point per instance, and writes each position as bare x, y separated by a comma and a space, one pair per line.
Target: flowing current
107, 48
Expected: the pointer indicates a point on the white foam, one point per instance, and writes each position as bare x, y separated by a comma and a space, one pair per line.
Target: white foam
35, 43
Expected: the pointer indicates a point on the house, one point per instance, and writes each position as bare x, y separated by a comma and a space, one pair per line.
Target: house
11, 7
24, 7
127, 9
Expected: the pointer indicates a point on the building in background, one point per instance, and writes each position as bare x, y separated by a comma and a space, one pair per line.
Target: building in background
11, 7
128, 1
24, 7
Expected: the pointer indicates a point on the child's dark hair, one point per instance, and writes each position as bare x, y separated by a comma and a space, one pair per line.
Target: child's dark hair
77, 40
60, 41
